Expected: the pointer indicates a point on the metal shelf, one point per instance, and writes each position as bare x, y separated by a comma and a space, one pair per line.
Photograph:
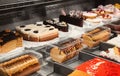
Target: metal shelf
26, 3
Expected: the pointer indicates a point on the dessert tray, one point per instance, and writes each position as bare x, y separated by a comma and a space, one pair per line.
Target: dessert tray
65, 68
97, 51
75, 52
74, 31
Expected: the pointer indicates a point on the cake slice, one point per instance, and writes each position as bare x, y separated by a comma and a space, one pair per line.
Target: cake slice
9, 41
62, 26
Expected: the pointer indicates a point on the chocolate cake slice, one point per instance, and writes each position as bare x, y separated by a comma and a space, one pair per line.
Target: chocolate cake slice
62, 26
72, 20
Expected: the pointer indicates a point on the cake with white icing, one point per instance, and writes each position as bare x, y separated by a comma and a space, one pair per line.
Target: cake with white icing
37, 32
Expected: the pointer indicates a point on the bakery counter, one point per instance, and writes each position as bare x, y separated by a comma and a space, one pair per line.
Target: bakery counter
73, 32
67, 67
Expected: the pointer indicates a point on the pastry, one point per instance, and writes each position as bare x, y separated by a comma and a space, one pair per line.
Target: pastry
62, 26
20, 66
99, 12
94, 20
117, 5
37, 32
73, 17
109, 8
106, 16
9, 41
78, 73
112, 53
65, 50
94, 37
89, 15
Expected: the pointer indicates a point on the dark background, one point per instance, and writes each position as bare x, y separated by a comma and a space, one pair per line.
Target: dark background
12, 14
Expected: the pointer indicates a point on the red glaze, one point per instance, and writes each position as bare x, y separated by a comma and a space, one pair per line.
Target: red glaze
100, 67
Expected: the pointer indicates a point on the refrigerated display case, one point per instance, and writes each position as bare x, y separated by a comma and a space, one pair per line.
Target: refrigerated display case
24, 13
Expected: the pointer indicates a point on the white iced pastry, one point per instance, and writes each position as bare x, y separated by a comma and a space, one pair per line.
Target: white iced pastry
89, 14
96, 20
111, 54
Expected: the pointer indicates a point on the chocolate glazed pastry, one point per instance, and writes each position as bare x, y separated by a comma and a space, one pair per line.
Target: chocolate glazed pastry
65, 50
20, 66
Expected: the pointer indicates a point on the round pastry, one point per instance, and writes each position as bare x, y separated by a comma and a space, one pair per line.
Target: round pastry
89, 15
38, 32
94, 20
106, 16
109, 8
99, 11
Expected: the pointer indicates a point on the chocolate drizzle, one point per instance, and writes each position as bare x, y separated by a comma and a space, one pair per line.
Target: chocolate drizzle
22, 26
47, 26
39, 24
27, 29
51, 29
36, 31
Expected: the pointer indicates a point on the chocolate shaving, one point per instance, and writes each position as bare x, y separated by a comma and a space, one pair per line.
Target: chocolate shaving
22, 26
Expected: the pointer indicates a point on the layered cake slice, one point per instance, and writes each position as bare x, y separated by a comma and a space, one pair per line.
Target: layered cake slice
9, 40
74, 17
37, 32
62, 26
